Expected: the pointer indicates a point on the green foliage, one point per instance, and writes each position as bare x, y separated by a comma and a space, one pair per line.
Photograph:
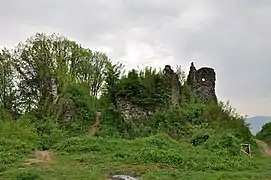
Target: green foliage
44, 57
146, 88
224, 143
21, 129
181, 74
113, 74
112, 123
233, 122
83, 109
199, 140
265, 133
28, 175
8, 93
16, 139
160, 149
49, 134
192, 136
84, 103
4, 115
180, 122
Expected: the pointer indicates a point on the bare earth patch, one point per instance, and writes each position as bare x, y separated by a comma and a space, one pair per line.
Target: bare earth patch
41, 157
264, 147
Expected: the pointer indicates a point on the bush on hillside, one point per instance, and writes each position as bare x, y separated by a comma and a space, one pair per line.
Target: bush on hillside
147, 88
233, 122
84, 103
28, 175
49, 133
179, 122
4, 115
17, 138
265, 133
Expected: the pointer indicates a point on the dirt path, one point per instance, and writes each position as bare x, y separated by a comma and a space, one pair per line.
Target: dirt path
264, 146
41, 157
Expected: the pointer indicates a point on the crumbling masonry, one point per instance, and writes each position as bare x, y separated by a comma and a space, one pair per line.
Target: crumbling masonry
173, 84
202, 82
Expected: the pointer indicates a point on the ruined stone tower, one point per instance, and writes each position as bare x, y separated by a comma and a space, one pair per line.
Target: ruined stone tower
174, 84
202, 82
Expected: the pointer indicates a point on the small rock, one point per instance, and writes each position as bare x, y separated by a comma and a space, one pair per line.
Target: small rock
122, 177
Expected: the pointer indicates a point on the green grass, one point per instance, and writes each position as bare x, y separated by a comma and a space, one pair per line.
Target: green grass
17, 139
152, 158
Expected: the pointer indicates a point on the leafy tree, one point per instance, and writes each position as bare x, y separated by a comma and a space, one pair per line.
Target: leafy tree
43, 58
99, 66
113, 74
40, 59
153, 81
181, 74
265, 133
7, 82
92, 69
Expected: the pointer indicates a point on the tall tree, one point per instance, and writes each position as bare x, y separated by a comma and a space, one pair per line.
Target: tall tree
92, 70
47, 61
113, 74
7, 81
181, 74
42, 61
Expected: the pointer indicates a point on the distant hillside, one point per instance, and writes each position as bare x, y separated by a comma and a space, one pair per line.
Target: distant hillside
256, 122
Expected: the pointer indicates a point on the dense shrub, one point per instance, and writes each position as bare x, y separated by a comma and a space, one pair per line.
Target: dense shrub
28, 175
265, 133
49, 133
146, 88
17, 138
83, 101
180, 122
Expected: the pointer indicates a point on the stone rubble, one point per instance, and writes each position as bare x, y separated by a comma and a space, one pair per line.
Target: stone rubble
122, 177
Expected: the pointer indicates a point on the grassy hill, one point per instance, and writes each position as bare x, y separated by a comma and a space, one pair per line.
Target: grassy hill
35, 149
154, 157
49, 130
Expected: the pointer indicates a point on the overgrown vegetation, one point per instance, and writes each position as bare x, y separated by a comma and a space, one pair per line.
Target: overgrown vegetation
265, 133
181, 139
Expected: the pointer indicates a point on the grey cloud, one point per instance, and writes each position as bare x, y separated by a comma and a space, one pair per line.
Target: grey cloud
231, 36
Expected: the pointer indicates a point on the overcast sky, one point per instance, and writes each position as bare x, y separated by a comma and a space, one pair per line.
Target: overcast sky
232, 36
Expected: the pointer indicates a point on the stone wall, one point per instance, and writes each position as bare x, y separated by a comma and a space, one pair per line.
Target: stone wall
131, 111
202, 82
173, 84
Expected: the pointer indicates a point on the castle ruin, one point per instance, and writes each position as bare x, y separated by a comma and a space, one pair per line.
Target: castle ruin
202, 82
173, 84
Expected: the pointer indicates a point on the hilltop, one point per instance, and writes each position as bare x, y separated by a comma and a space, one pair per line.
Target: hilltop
74, 114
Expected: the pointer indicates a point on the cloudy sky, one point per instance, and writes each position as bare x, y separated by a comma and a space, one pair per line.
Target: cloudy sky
233, 37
